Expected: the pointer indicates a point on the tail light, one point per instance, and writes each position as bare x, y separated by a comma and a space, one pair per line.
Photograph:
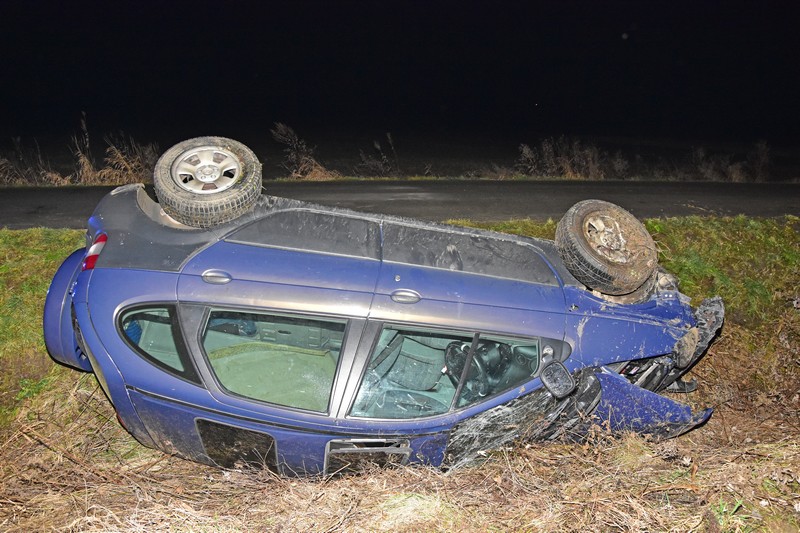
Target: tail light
94, 251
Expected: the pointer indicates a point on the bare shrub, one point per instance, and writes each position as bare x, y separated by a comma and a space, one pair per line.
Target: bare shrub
299, 157
128, 161
529, 161
710, 167
562, 157
27, 166
758, 160
724, 167
737, 173
125, 161
619, 165
379, 163
549, 160
583, 161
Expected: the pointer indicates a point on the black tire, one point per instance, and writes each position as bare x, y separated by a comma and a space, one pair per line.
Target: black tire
207, 181
606, 248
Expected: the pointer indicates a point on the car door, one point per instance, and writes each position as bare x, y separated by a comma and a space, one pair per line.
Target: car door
287, 293
439, 276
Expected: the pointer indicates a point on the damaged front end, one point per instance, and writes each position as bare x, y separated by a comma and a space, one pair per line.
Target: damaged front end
606, 397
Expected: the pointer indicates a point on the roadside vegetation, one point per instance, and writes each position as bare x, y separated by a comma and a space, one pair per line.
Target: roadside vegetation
65, 463
553, 158
124, 161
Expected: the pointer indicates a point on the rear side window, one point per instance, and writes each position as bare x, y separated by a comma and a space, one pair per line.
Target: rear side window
284, 360
154, 334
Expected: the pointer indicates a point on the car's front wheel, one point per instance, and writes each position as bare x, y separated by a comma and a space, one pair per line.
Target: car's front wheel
207, 181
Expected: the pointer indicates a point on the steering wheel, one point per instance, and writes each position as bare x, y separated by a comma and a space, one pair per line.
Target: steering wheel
477, 382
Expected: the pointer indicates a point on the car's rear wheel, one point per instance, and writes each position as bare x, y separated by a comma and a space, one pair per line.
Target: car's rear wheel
606, 248
207, 181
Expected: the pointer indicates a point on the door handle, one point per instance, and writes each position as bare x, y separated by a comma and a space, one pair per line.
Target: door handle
216, 277
405, 296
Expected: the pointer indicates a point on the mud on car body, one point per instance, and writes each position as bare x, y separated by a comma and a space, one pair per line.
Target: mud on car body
230, 327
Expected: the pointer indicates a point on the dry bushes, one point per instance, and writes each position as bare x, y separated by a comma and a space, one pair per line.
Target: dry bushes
299, 158
125, 161
27, 166
722, 167
379, 164
562, 157
301, 162
579, 160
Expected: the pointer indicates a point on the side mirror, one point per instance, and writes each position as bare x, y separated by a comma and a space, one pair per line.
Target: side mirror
558, 380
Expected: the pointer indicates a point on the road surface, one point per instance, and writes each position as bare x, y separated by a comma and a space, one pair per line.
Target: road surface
69, 207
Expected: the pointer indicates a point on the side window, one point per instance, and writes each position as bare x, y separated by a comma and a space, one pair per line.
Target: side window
285, 360
498, 364
415, 373
155, 335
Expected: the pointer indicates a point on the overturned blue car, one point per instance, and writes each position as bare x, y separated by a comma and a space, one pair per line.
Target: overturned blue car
234, 328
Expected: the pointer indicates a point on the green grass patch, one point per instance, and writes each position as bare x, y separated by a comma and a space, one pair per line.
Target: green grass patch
525, 227
753, 264
30, 259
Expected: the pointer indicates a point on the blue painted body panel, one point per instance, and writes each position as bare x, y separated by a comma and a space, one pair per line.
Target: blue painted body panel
626, 407
462, 300
603, 333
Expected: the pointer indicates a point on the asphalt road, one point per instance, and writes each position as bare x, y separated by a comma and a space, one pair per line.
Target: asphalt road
440, 200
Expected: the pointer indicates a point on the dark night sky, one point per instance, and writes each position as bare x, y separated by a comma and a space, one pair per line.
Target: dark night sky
170, 70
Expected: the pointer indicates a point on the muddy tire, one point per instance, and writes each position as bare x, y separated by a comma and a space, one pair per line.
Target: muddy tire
607, 249
207, 181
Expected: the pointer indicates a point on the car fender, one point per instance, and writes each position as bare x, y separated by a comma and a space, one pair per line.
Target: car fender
602, 333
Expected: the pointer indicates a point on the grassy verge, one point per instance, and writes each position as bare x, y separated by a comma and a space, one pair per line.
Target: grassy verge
66, 463
30, 258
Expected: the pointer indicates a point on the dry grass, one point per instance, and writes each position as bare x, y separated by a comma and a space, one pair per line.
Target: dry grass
27, 166
562, 157
125, 161
574, 159
299, 159
69, 465
380, 163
